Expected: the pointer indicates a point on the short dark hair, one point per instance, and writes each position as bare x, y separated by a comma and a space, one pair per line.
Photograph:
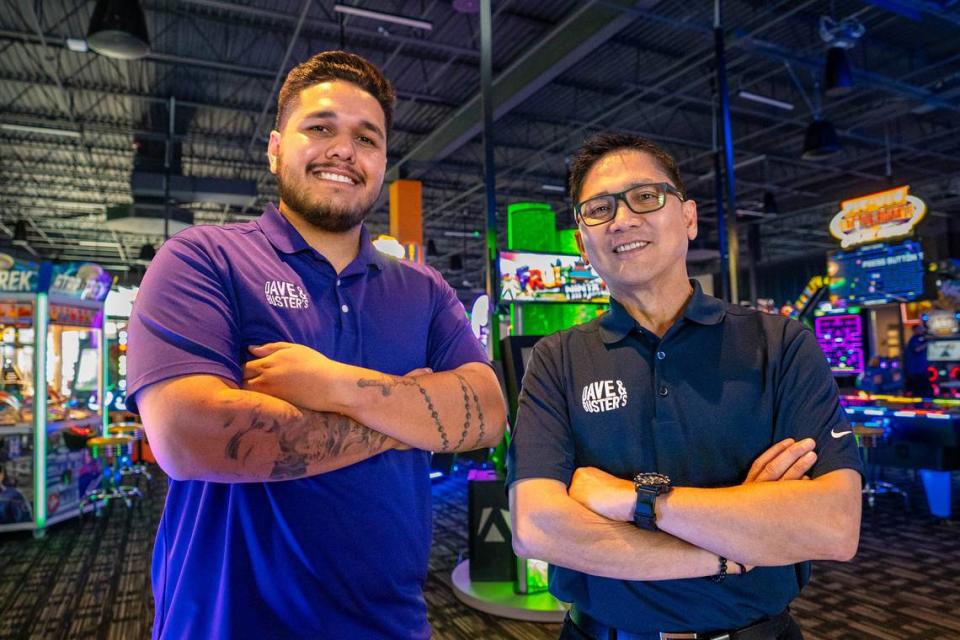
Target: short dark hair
600, 144
336, 65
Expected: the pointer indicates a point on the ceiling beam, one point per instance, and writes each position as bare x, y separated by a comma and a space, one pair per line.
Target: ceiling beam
581, 32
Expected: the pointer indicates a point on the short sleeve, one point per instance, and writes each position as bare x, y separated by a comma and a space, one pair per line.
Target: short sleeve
808, 404
451, 342
541, 444
183, 322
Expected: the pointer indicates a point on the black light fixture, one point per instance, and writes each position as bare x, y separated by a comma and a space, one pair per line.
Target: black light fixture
820, 141
770, 204
119, 30
837, 76
147, 253
20, 232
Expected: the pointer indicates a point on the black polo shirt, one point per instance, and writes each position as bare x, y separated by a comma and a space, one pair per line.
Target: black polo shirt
700, 404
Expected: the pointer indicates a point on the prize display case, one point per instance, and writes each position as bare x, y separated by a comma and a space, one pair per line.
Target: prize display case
52, 352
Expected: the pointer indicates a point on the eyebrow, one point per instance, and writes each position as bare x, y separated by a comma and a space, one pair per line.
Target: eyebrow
332, 115
627, 188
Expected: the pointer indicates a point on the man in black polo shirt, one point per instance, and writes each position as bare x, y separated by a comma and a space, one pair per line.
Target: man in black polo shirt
679, 460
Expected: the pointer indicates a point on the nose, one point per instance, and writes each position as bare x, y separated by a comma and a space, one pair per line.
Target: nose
624, 218
342, 148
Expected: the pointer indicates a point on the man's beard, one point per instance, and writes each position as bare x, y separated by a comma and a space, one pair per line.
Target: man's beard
323, 215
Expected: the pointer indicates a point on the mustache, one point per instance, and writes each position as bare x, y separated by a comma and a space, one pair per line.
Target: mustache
313, 168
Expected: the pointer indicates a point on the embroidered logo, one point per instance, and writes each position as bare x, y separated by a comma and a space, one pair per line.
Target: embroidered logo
604, 395
285, 295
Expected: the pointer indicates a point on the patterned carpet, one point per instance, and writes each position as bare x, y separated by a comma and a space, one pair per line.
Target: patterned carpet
90, 578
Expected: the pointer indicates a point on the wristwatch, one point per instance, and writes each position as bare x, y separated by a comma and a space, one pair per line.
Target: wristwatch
648, 486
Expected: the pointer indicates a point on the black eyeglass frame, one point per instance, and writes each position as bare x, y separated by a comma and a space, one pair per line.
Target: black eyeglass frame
665, 189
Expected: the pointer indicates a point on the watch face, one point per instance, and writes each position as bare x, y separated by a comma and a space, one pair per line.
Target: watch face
651, 480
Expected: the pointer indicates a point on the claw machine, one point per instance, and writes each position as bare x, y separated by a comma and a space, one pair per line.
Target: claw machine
52, 353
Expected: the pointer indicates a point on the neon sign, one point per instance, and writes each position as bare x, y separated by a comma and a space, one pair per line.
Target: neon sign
878, 216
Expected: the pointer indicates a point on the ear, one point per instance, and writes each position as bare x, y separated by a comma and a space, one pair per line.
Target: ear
690, 218
580, 248
273, 151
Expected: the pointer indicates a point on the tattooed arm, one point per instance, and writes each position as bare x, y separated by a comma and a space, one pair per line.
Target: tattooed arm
457, 410
202, 427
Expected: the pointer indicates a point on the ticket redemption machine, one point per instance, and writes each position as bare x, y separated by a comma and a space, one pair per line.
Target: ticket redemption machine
52, 349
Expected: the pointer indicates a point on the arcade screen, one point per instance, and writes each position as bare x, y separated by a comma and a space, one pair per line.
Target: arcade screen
548, 277
841, 340
943, 350
877, 273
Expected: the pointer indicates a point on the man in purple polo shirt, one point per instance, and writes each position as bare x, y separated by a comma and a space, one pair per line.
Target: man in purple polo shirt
284, 370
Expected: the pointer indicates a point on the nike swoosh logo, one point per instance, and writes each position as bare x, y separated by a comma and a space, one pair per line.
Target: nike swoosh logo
839, 434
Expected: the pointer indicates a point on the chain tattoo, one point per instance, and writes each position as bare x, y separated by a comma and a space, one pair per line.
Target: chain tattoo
386, 387
466, 408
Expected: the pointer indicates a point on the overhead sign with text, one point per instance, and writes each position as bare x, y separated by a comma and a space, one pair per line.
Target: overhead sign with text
877, 217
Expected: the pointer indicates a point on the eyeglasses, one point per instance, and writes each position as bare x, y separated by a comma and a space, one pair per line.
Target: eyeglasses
642, 198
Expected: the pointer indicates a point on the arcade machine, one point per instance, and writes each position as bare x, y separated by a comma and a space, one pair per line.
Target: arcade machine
544, 287
51, 322
881, 282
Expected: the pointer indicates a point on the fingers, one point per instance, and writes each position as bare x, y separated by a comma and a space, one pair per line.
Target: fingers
798, 469
422, 371
261, 350
776, 468
251, 370
766, 457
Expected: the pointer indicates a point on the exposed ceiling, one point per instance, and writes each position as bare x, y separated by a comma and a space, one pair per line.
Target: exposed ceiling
562, 70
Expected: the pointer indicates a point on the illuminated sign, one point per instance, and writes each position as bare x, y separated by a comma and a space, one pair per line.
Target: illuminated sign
879, 216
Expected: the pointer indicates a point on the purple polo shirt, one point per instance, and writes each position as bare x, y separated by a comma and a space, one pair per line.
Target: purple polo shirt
339, 555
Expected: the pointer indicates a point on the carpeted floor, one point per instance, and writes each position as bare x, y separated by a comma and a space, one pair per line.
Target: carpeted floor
90, 579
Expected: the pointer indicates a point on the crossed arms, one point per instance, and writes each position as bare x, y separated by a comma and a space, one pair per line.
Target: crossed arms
776, 517
300, 414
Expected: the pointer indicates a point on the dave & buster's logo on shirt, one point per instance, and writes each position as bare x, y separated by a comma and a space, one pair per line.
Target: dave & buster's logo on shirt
604, 395
285, 295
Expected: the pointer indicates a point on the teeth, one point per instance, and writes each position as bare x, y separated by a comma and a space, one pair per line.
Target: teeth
336, 177
630, 246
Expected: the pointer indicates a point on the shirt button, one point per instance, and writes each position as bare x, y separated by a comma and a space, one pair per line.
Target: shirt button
663, 391
338, 282
345, 308
661, 355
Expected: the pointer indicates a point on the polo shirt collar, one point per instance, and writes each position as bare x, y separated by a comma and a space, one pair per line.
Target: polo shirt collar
617, 323
286, 239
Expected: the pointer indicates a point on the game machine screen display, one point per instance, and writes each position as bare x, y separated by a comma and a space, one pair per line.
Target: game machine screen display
548, 277
943, 352
877, 274
842, 341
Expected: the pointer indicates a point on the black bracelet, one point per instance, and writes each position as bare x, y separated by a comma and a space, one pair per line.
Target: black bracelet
717, 579
743, 568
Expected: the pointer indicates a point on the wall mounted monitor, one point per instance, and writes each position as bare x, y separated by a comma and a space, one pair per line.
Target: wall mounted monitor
548, 277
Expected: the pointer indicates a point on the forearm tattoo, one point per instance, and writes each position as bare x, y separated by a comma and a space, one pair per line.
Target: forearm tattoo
483, 432
387, 386
306, 442
466, 410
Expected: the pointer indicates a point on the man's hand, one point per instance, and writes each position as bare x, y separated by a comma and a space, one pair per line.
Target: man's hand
786, 460
604, 494
295, 373
616, 499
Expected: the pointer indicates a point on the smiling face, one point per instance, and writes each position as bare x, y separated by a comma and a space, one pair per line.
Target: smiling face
636, 251
330, 156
